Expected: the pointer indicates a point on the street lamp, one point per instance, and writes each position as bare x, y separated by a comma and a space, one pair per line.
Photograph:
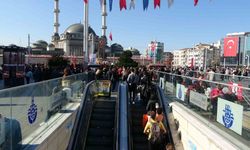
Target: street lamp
247, 56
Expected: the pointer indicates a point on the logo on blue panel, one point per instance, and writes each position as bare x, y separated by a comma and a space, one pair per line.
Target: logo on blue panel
180, 92
32, 112
228, 118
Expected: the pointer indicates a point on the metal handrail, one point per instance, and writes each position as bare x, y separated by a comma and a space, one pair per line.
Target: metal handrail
122, 121
75, 134
161, 101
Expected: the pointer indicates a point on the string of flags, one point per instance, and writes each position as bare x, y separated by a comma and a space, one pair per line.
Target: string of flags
123, 4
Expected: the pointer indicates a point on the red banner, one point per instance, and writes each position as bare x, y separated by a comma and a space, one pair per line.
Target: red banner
231, 46
123, 4
157, 3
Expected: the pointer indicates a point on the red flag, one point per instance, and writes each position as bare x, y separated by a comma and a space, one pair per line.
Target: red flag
110, 36
231, 46
123, 4
195, 2
157, 3
86, 1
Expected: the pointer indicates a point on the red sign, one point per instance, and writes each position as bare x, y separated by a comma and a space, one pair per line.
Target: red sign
231, 46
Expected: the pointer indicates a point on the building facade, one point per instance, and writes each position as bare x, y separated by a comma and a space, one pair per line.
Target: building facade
201, 56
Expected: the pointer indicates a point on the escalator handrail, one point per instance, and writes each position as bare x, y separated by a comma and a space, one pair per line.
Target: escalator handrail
165, 111
75, 134
122, 142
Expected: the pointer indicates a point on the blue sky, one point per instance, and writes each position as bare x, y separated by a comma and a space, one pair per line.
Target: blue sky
181, 26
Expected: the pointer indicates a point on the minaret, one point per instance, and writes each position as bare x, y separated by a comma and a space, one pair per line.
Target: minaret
104, 14
55, 36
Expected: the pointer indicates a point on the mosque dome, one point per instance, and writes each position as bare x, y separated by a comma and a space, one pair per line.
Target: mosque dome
78, 28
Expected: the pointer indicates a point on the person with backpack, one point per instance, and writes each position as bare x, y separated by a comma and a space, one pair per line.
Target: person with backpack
155, 131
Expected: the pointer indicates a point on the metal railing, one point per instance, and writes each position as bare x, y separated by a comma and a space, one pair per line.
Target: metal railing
25, 111
79, 121
196, 94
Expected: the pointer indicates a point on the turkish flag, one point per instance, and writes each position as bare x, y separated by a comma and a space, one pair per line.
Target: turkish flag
110, 36
231, 46
195, 2
157, 3
123, 4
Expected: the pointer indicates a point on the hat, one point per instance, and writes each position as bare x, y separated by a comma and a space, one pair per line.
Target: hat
225, 90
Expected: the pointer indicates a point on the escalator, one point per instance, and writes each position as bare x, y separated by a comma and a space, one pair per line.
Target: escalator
140, 141
100, 133
95, 126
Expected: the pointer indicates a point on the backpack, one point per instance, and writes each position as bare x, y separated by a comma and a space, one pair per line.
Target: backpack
155, 133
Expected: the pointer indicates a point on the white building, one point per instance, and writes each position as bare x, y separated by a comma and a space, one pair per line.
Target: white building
202, 56
180, 58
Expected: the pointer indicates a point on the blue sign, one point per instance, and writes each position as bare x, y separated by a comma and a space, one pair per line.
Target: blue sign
228, 118
32, 111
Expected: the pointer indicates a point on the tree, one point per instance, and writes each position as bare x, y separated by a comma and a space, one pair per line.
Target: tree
126, 60
58, 62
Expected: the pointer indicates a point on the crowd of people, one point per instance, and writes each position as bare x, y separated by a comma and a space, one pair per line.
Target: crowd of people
141, 88
203, 82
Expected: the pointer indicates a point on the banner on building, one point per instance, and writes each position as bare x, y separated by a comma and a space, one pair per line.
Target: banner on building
2, 130
162, 83
231, 46
169, 87
181, 92
230, 115
199, 100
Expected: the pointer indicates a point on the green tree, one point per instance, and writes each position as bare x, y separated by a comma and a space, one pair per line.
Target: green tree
58, 62
126, 60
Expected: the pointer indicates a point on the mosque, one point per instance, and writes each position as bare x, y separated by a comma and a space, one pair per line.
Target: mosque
70, 42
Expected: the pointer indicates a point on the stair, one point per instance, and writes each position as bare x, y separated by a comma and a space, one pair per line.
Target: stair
101, 127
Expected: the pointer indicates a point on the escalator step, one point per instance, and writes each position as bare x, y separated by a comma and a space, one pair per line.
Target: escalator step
140, 139
101, 132
140, 146
101, 124
137, 129
136, 122
100, 141
104, 105
98, 148
101, 110
99, 116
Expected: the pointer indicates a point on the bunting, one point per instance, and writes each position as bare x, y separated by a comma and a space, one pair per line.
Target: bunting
85, 1
170, 3
145, 5
157, 3
196, 2
110, 5
123, 4
132, 4
101, 2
